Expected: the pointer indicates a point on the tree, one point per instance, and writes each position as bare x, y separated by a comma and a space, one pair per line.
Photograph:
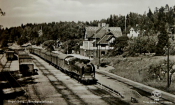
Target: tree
149, 14
4, 38
162, 42
49, 45
119, 44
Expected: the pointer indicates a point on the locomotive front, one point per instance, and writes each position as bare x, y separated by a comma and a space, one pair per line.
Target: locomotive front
82, 68
88, 74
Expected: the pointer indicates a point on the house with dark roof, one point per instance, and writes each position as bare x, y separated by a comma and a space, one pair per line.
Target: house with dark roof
98, 40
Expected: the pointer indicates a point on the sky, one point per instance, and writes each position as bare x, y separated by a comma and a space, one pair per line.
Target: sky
40, 11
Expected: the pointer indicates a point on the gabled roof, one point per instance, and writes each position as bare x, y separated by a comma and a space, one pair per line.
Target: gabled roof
116, 31
99, 32
90, 31
105, 39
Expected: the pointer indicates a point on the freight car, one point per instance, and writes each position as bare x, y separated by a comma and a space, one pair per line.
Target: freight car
26, 65
80, 69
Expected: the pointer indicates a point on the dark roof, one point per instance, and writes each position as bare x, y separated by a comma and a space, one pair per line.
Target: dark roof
90, 31
116, 31
105, 39
99, 32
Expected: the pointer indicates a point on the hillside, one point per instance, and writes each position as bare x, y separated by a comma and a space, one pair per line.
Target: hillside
139, 69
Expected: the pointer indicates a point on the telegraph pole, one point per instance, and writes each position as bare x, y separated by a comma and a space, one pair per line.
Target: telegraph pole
168, 70
99, 54
125, 24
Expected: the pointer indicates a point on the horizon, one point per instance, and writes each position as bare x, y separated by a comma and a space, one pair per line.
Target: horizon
46, 11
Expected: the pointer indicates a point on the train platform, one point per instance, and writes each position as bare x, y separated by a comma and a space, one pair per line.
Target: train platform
151, 90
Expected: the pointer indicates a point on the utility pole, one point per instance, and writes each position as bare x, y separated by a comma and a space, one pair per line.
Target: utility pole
125, 24
99, 53
168, 70
168, 77
67, 48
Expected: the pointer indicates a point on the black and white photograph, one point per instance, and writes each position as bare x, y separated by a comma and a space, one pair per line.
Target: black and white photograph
87, 52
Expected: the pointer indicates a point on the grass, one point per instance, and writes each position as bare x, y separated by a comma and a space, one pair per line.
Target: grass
137, 69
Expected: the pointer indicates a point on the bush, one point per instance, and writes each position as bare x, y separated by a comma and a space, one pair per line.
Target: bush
159, 70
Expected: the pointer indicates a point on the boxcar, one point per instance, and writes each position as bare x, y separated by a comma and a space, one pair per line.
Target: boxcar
26, 65
42, 54
54, 59
61, 61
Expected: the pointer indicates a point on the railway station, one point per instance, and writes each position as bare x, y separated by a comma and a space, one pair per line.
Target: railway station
60, 83
85, 52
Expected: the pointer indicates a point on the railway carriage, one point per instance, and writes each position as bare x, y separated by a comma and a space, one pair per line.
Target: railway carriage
54, 59
38, 51
42, 54
61, 62
48, 56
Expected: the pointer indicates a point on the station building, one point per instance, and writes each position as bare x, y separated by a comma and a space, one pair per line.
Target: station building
99, 40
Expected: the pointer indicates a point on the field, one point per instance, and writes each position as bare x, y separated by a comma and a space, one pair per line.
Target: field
138, 69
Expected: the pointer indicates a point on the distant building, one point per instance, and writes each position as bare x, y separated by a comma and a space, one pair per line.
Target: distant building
133, 33
99, 40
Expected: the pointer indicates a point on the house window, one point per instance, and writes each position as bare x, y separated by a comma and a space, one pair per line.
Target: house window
103, 45
103, 53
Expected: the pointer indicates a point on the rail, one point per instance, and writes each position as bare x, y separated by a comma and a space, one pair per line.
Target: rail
13, 89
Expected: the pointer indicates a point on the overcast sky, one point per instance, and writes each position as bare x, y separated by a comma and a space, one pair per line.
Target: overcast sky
38, 11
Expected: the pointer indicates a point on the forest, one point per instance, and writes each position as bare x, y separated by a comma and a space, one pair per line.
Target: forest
155, 28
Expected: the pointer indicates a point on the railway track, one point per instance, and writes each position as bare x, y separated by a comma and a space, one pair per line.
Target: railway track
109, 89
68, 95
101, 90
104, 87
14, 91
141, 92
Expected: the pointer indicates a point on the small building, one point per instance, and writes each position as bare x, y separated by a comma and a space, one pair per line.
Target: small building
99, 40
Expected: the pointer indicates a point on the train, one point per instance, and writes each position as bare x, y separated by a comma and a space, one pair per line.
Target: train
26, 65
79, 68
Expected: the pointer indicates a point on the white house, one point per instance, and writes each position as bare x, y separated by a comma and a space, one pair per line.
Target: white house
133, 33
